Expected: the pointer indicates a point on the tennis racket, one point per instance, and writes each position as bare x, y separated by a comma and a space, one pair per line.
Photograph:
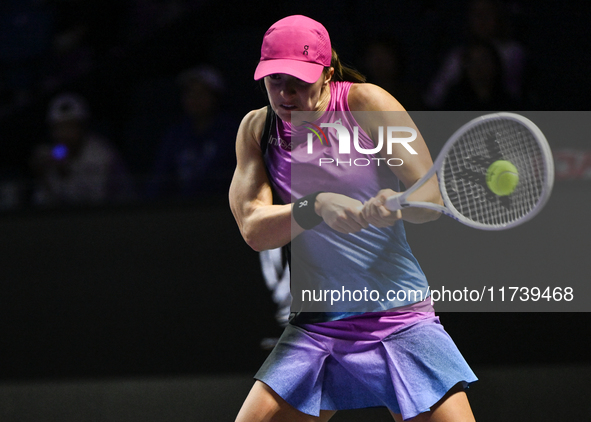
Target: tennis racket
462, 166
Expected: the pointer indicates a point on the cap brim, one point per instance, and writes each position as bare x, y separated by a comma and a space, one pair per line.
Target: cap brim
306, 71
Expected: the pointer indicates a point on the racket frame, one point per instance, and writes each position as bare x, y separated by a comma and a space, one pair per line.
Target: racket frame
399, 201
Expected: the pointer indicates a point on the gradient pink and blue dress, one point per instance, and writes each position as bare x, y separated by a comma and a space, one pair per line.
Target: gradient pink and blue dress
391, 353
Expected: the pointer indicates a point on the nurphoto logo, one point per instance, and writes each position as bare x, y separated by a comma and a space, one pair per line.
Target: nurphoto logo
344, 143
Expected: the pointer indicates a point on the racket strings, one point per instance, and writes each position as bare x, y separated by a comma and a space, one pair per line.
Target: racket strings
466, 164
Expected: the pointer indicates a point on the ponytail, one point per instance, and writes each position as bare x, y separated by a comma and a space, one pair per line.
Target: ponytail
344, 73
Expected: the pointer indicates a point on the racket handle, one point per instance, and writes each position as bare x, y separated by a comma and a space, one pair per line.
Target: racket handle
393, 202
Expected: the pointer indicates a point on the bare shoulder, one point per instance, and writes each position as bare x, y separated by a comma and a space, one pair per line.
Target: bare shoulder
252, 125
370, 97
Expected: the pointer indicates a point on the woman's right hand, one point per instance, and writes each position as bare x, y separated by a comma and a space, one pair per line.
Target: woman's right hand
340, 212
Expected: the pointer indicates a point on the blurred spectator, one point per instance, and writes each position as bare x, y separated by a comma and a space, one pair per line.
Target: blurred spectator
384, 65
481, 84
196, 155
71, 52
82, 38
487, 21
79, 167
25, 30
149, 15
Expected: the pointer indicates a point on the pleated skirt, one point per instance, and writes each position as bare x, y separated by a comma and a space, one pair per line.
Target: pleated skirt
404, 361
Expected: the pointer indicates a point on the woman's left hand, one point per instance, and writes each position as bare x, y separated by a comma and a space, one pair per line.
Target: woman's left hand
375, 212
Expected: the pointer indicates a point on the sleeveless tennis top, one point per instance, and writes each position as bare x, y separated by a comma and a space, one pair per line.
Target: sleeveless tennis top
322, 259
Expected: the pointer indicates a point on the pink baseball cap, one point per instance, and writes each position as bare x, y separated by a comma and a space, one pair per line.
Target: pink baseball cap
295, 45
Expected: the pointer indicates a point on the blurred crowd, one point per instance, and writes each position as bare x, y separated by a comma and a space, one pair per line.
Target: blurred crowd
48, 45
79, 166
45, 44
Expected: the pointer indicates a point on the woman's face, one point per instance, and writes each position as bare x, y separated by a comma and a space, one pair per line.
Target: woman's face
287, 94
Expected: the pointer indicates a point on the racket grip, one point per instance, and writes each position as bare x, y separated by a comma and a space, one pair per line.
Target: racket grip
393, 202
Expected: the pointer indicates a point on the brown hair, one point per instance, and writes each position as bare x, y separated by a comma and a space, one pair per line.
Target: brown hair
344, 73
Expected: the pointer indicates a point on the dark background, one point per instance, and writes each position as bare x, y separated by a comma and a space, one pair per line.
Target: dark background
171, 288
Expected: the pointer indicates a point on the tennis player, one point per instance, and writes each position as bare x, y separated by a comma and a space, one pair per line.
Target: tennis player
397, 357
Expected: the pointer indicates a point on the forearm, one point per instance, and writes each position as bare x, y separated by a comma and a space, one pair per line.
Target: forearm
268, 226
429, 192
419, 215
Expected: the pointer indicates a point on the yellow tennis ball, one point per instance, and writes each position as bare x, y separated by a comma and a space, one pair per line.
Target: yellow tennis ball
502, 177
